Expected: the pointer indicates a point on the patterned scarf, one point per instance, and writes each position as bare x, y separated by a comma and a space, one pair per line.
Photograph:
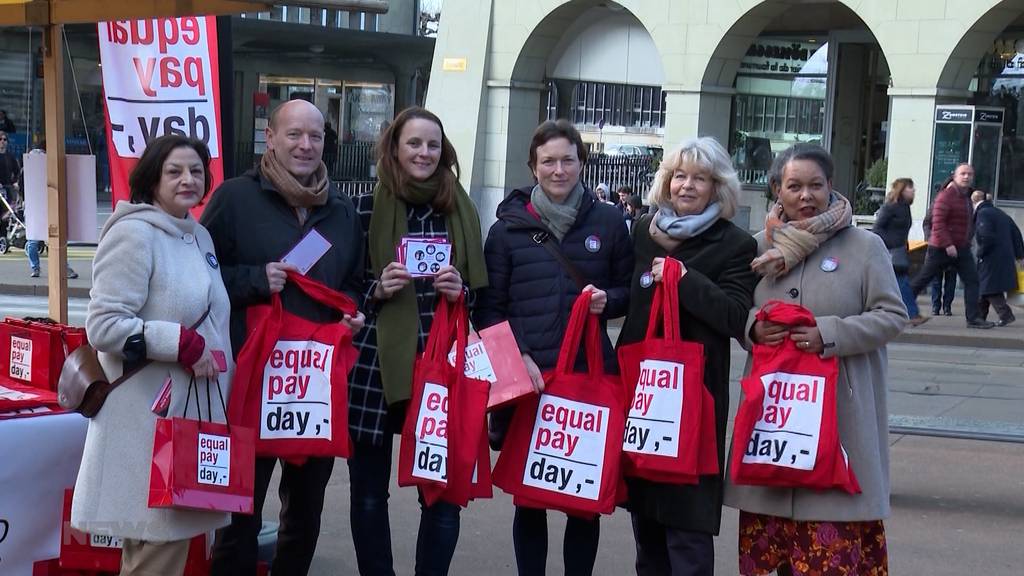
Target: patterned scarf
669, 230
791, 241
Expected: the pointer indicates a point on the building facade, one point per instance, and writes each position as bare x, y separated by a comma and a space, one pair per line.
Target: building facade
357, 67
867, 79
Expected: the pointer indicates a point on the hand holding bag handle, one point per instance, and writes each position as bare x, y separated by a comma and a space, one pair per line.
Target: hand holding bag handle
582, 326
665, 304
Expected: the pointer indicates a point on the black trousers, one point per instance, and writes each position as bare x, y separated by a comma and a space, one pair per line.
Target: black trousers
530, 542
665, 551
936, 260
302, 500
998, 301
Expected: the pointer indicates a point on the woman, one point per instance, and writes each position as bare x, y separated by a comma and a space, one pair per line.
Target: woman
893, 225
695, 192
155, 276
418, 195
811, 255
532, 289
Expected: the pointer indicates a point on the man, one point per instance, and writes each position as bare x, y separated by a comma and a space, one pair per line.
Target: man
943, 287
999, 249
254, 220
623, 195
9, 172
949, 243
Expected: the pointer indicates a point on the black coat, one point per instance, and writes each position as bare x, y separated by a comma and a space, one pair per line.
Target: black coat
715, 297
999, 245
893, 224
533, 291
251, 225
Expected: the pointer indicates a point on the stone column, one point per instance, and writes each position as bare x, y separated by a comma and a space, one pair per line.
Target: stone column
911, 129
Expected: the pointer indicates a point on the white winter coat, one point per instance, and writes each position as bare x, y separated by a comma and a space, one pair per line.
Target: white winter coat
153, 273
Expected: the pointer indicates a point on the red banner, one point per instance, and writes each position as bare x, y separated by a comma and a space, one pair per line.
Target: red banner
159, 77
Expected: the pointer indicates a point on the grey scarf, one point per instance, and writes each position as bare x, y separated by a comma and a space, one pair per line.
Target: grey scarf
685, 227
557, 217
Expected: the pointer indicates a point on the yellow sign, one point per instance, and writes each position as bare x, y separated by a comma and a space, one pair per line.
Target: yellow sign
453, 65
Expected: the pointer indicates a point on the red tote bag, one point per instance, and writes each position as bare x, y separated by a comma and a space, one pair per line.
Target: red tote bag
445, 421
81, 551
291, 378
202, 465
786, 432
34, 350
667, 433
563, 449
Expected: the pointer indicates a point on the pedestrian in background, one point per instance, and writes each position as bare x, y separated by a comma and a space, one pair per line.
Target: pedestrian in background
157, 296
695, 193
893, 225
943, 287
254, 220
534, 291
949, 243
634, 210
811, 255
1000, 250
602, 191
418, 195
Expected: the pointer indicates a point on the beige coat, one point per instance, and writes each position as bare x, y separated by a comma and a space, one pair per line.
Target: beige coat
152, 273
859, 310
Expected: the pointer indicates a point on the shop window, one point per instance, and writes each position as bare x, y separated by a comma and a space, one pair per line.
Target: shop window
1000, 83
779, 101
621, 105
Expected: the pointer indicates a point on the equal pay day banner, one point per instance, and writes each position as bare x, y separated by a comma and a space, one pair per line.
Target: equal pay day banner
159, 77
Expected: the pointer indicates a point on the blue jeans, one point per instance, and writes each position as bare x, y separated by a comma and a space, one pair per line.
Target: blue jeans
908, 295
369, 474
32, 250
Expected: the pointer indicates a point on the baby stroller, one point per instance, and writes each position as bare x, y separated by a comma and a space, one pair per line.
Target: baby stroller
13, 224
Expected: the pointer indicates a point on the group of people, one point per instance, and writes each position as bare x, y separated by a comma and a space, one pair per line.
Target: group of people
966, 236
157, 270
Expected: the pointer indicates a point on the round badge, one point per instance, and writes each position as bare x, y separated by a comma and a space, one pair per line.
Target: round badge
435, 267
592, 243
422, 266
212, 260
829, 264
431, 248
646, 279
188, 238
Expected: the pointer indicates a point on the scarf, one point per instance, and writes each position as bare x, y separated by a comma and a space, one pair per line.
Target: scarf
398, 322
557, 217
300, 197
669, 230
791, 241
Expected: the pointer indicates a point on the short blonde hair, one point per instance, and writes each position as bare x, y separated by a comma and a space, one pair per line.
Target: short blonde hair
707, 154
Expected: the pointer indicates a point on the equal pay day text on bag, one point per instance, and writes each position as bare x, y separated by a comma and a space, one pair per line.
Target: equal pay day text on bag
786, 432
563, 447
291, 377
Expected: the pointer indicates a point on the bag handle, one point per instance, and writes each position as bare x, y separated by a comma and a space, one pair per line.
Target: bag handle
193, 385
665, 303
440, 331
582, 326
322, 294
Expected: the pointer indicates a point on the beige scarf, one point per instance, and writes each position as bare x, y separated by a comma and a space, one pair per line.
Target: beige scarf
791, 241
300, 197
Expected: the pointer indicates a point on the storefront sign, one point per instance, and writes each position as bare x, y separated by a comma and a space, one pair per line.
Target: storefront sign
767, 56
159, 77
952, 114
989, 116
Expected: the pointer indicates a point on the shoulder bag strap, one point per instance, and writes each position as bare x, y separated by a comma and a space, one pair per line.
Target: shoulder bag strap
125, 376
544, 239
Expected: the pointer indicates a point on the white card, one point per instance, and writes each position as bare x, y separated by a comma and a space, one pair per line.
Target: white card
424, 259
307, 252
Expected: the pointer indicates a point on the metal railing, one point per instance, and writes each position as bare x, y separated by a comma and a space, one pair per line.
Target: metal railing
616, 171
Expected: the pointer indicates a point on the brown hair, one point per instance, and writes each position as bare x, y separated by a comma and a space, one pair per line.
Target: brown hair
896, 190
391, 174
552, 129
145, 177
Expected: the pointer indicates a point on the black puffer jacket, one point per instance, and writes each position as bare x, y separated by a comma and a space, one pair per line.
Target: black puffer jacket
893, 224
533, 291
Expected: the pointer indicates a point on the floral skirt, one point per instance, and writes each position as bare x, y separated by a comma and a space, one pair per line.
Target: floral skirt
811, 548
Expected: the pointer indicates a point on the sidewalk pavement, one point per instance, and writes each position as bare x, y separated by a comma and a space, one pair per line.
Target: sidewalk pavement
939, 330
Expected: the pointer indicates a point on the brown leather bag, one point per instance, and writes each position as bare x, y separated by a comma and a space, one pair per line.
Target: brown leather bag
83, 386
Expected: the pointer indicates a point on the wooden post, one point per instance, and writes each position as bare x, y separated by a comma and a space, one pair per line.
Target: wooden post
56, 171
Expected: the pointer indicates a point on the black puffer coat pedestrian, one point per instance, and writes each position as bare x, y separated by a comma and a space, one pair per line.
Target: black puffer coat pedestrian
534, 292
